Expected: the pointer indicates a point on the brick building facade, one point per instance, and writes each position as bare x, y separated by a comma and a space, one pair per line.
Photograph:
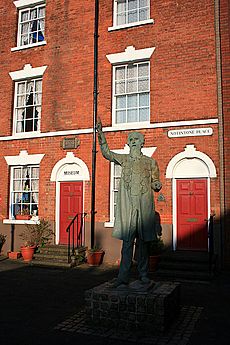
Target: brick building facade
159, 73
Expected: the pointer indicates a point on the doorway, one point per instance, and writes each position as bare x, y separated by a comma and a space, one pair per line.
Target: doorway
192, 214
71, 203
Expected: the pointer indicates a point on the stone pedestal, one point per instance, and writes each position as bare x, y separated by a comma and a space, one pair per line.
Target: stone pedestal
132, 307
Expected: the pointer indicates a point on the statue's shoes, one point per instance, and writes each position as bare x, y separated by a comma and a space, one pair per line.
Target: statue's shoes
119, 284
145, 280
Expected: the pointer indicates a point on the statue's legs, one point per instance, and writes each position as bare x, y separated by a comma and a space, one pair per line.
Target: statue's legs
127, 249
142, 260
126, 261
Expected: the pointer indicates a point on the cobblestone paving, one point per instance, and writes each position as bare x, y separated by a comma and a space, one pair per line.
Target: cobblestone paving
178, 334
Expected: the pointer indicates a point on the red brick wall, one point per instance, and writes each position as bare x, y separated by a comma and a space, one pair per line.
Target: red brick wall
225, 57
183, 87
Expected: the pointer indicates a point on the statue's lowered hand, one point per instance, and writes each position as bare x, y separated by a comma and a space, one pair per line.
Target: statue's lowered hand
157, 186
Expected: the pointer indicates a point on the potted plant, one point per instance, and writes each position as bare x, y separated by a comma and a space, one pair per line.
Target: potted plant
24, 214
156, 247
2, 240
34, 236
95, 256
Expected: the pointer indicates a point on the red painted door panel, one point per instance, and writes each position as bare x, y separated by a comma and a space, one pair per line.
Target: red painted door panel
71, 203
192, 212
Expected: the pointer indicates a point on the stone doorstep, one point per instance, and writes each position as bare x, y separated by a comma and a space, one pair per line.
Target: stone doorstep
152, 310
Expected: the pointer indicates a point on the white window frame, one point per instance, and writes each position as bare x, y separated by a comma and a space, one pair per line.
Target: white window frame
147, 151
24, 5
23, 159
128, 25
30, 191
27, 73
137, 93
130, 55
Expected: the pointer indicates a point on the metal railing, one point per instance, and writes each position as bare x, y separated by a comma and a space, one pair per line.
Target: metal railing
211, 242
76, 233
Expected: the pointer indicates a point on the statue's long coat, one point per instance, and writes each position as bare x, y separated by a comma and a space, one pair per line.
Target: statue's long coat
137, 180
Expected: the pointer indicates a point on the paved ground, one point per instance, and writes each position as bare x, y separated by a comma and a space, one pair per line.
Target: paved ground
44, 306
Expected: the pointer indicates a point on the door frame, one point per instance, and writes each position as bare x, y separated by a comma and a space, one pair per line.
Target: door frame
189, 164
58, 197
81, 173
174, 193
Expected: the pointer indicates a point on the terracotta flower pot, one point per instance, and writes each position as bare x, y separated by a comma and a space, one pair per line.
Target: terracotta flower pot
27, 253
95, 258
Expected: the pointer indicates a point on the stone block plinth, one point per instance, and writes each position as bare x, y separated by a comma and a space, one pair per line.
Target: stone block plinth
151, 311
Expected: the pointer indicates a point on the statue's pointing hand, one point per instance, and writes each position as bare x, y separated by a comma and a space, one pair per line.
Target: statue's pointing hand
99, 125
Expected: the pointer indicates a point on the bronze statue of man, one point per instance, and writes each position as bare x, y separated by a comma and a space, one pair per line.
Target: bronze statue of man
135, 212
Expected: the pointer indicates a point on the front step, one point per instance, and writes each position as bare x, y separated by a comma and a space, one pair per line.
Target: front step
57, 256
186, 265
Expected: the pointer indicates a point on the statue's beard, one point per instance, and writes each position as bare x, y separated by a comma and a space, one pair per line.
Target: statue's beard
135, 150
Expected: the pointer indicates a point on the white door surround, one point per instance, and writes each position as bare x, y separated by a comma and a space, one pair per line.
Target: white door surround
69, 169
189, 164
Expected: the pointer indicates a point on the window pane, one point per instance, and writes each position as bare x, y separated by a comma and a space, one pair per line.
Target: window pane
21, 88
144, 114
41, 12
132, 72
120, 87
132, 85
143, 84
143, 14
20, 101
24, 28
120, 116
116, 183
121, 6
121, 19
120, 73
144, 99
24, 40
132, 16
121, 102
115, 197
24, 16
131, 101
38, 85
143, 3
117, 170
35, 172
33, 14
132, 4
143, 70
132, 115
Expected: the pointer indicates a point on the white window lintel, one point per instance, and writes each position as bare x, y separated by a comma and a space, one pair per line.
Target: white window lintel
28, 72
28, 3
24, 159
130, 54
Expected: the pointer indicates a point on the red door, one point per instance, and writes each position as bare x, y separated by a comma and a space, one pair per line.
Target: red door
71, 203
192, 212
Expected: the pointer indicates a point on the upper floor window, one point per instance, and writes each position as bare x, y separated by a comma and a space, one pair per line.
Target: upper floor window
131, 13
132, 93
31, 23
28, 99
131, 87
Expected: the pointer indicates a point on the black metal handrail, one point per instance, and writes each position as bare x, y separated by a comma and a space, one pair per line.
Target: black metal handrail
77, 240
211, 241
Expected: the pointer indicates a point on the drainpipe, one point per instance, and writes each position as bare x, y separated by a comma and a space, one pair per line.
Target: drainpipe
220, 125
95, 96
